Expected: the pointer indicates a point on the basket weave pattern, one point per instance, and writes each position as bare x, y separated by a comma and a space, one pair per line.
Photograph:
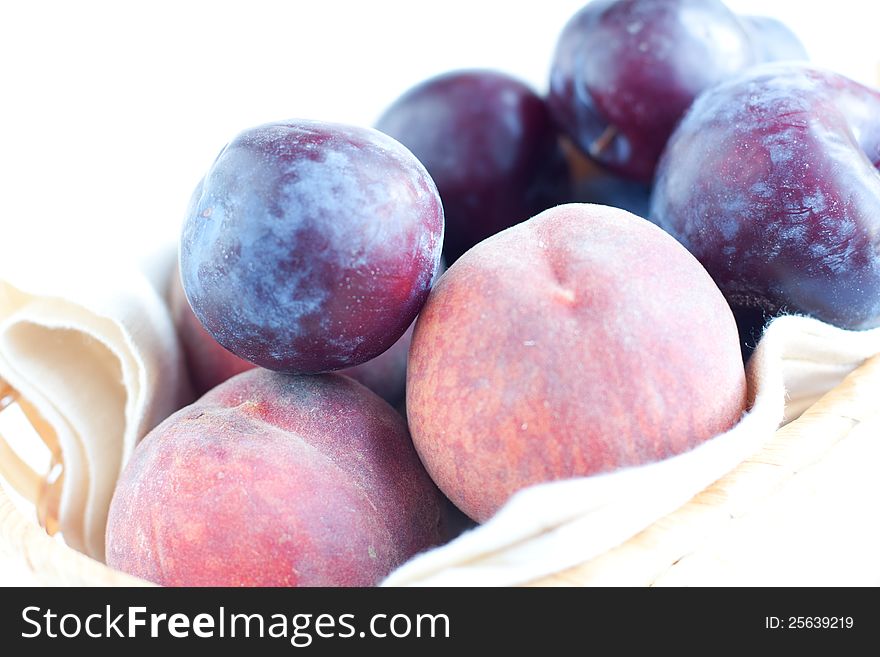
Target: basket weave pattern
700, 543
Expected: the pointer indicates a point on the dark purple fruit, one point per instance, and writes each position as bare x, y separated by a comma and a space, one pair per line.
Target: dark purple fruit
489, 144
625, 72
311, 246
771, 181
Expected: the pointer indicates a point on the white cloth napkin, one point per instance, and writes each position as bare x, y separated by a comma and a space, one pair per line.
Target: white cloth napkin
94, 351
551, 527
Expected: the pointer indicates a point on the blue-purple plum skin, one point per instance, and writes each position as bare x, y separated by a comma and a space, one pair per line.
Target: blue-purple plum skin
310, 246
489, 143
771, 181
625, 71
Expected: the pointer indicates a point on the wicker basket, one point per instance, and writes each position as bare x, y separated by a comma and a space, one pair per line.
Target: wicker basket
793, 514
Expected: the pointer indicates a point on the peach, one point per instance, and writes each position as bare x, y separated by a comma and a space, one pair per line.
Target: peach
578, 342
275, 480
210, 364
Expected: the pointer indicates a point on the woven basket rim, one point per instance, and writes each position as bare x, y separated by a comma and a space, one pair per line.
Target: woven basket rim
818, 430
51, 561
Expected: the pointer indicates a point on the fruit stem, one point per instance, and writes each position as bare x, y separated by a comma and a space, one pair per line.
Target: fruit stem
603, 141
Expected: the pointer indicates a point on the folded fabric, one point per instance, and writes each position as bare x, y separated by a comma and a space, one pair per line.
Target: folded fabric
94, 363
551, 527
91, 355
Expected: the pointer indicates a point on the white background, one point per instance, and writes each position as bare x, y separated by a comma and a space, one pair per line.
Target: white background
110, 112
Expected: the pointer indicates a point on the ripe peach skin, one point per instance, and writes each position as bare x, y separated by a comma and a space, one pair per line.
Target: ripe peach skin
275, 480
209, 364
578, 342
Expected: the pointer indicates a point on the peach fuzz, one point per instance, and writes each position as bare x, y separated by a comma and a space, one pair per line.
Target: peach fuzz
578, 342
275, 480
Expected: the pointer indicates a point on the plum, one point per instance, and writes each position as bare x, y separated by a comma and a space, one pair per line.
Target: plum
771, 181
490, 146
625, 71
311, 246
209, 364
